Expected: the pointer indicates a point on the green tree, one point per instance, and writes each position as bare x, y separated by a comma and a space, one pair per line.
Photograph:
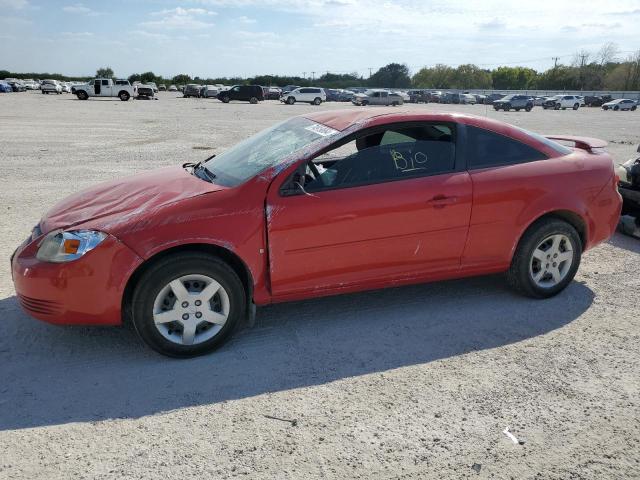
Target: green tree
470, 76
440, 76
149, 77
393, 75
514, 78
182, 79
104, 72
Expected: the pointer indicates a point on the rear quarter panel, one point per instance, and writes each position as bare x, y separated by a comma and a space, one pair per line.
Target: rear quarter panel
508, 199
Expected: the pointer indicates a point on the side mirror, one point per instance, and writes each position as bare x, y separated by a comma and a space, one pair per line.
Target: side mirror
294, 186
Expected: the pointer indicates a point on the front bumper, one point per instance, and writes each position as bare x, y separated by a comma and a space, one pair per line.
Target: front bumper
87, 291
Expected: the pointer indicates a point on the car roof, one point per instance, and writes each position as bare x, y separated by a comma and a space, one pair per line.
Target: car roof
342, 119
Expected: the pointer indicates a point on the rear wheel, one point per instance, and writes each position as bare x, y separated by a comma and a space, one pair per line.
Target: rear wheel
188, 304
253, 100
546, 259
317, 101
365, 103
557, 106
225, 99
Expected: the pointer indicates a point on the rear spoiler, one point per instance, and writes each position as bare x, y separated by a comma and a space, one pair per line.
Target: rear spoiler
593, 145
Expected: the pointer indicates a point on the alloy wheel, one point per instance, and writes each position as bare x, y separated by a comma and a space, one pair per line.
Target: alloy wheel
551, 260
191, 309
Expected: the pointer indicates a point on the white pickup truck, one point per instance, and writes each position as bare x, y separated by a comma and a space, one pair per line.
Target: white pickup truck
104, 87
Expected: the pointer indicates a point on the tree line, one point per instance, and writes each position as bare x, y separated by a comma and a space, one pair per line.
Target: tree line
600, 71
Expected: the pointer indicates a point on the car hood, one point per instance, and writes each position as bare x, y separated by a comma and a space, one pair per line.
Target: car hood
118, 202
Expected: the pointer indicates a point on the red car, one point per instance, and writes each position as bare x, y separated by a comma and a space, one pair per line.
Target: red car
320, 204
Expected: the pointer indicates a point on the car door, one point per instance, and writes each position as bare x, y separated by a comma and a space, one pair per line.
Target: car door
408, 219
105, 89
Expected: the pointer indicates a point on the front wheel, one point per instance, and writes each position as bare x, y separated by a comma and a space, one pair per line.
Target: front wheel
546, 260
616, 108
188, 304
225, 99
557, 106
82, 95
124, 96
291, 101
576, 106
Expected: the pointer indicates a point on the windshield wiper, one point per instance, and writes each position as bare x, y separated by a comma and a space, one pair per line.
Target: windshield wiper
200, 167
208, 173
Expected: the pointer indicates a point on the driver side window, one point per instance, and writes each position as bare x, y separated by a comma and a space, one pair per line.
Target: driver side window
398, 153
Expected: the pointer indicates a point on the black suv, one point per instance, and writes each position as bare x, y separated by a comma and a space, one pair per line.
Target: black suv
245, 93
517, 102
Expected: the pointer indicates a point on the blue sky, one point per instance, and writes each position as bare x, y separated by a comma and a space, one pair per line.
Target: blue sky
248, 37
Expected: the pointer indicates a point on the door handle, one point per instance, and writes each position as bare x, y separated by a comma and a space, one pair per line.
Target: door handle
441, 201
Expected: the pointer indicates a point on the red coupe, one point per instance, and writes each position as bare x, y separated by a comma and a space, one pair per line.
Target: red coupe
320, 204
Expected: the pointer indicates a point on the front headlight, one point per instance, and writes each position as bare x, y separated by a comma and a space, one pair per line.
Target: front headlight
59, 246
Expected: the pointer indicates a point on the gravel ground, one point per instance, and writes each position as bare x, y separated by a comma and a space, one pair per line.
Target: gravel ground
414, 382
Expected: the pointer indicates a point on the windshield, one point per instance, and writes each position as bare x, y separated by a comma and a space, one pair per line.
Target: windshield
266, 149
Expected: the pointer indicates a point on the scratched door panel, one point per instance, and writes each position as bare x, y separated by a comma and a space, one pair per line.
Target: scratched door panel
373, 232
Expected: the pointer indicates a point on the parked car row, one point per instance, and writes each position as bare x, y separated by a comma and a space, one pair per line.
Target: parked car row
19, 85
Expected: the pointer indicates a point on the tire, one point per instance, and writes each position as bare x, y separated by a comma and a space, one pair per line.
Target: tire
616, 108
82, 95
365, 103
291, 101
517, 109
633, 109
124, 96
526, 264
317, 101
225, 99
253, 100
44, 92
556, 106
496, 108
394, 104
528, 108
605, 108
168, 336
507, 107
576, 106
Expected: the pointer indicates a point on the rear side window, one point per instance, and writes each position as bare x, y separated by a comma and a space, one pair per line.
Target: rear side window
490, 149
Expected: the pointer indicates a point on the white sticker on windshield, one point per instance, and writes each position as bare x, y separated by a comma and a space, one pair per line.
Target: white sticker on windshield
322, 130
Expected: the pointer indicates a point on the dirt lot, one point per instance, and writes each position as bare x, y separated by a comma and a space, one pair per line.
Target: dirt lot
415, 382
